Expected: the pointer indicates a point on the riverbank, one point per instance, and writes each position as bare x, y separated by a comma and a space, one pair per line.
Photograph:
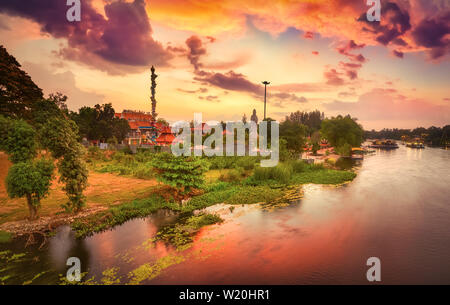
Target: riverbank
113, 199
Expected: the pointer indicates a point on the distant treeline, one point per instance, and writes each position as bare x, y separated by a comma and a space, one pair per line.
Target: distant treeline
435, 136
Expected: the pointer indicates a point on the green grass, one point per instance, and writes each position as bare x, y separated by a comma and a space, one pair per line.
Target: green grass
5, 237
323, 176
298, 172
231, 187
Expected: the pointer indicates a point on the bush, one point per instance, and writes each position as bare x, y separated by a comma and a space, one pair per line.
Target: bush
281, 173
344, 150
181, 173
246, 162
232, 175
95, 153
31, 179
298, 166
144, 171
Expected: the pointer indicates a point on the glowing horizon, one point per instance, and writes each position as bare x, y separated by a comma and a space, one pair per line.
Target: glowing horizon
212, 56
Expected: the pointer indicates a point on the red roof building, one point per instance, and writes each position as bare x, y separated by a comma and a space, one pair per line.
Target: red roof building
144, 130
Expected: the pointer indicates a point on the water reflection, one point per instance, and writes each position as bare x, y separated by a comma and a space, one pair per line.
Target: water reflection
396, 209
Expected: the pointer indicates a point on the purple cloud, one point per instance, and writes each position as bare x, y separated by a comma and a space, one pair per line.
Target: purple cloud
432, 33
122, 38
395, 22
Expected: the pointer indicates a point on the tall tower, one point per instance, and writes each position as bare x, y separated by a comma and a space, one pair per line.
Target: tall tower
153, 91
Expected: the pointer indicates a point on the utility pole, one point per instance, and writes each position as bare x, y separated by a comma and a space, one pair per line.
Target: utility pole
265, 94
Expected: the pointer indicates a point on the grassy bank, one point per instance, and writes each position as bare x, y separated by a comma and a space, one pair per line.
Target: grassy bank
122, 183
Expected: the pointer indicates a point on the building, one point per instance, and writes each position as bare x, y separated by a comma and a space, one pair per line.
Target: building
144, 130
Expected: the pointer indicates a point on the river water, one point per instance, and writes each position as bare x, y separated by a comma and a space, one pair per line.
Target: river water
396, 209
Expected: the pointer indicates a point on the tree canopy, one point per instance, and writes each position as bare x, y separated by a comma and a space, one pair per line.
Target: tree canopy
30, 123
100, 123
294, 133
342, 130
312, 119
28, 177
18, 92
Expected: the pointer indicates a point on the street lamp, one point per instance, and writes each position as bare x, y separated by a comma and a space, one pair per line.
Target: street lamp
265, 94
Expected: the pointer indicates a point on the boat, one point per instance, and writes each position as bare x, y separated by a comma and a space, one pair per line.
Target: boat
357, 153
388, 144
415, 145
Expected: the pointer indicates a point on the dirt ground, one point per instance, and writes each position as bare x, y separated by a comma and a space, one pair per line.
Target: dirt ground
103, 190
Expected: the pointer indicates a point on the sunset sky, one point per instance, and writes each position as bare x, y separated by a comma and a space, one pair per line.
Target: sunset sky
211, 56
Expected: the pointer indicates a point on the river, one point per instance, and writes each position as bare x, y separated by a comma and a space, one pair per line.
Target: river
396, 209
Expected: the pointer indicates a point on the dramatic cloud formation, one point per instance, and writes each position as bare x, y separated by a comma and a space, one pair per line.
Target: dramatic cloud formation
196, 50
204, 50
434, 34
394, 23
230, 80
124, 37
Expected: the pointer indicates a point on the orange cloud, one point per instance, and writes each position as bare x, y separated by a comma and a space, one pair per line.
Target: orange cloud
338, 19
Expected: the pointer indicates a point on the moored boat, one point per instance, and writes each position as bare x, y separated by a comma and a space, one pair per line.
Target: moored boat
388, 144
357, 153
415, 145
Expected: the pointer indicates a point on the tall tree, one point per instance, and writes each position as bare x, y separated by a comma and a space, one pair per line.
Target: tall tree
295, 135
311, 119
28, 177
100, 123
18, 92
342, 132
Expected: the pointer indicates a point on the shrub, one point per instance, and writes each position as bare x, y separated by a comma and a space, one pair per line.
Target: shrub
144, 171
94, 153
281, 173
232, 175
246, 162
181, 173
344, 150
298, 166
30, 179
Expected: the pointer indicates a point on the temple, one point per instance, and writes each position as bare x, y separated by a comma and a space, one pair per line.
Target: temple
144, 129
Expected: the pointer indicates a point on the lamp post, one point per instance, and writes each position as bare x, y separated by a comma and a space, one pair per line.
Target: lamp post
265, 94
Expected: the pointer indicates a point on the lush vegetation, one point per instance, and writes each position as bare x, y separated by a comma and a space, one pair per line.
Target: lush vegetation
435, 136
29, 177
181, 173
30, 123
18, 92
312, 120
99, 123
343, 133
